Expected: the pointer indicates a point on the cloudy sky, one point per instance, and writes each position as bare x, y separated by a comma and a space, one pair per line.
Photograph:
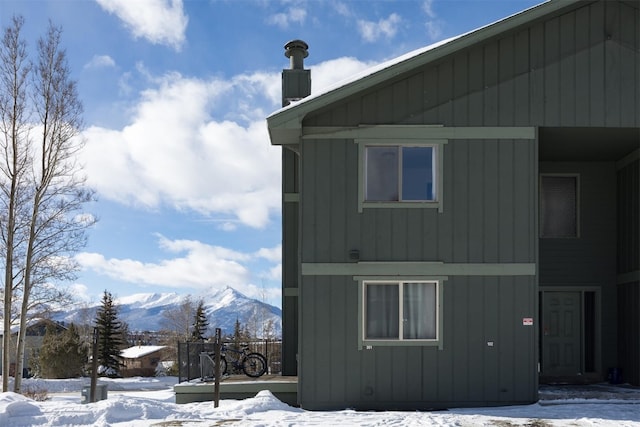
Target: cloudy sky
175, 96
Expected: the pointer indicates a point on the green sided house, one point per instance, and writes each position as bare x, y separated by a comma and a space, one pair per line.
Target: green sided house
462, 223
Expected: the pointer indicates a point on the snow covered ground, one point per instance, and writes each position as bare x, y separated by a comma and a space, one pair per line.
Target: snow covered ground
145, 402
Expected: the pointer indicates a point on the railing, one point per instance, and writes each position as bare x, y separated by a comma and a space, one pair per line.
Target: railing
189, 356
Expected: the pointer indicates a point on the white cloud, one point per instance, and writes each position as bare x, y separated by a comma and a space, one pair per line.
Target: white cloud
433, 25
333, 71
275, 273
371, 31
434, 29
197, 266
200, 145
294, 15
271, 254
427, 7
173, 154
80, 292
342, 9
100, 61
159, 21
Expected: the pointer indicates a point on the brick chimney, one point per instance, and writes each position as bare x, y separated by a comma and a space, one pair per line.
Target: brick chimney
296, 81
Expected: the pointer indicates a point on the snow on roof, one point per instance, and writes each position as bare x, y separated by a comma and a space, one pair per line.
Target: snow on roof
139, 351
391, 63
365, 73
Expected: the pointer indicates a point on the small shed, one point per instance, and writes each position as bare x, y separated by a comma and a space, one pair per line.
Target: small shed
141, 360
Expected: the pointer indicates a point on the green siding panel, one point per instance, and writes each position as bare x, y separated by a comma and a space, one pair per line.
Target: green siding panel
576, 69
481, 200
467, 372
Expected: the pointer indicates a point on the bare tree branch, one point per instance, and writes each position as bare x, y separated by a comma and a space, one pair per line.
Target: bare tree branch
42, 186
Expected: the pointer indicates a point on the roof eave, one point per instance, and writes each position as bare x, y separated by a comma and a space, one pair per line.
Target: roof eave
285, 125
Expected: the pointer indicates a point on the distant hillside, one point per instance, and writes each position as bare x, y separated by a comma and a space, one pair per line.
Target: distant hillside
143, 312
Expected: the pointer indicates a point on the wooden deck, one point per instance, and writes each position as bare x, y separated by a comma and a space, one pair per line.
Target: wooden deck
239, 387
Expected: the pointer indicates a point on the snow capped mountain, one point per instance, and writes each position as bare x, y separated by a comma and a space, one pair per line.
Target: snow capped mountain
150, 300
144, 312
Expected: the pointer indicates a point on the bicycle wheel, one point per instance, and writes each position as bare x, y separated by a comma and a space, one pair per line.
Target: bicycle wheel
254, 365
223, 367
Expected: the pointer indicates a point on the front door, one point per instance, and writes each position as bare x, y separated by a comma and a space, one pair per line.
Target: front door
561, 334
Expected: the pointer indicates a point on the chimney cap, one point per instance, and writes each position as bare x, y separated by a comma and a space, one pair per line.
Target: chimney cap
293, 45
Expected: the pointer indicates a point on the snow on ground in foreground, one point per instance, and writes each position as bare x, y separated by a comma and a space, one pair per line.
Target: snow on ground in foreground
145, 402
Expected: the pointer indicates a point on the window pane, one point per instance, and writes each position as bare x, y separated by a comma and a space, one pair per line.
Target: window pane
558, 206
419, 311
417, 173
382, 311
382, 174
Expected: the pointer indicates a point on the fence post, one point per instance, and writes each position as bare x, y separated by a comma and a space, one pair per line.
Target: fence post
216, 387
188, 354
266, 354
94, 366
179, 362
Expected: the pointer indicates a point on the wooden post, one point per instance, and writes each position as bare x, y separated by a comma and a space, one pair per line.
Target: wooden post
266, 352
217, 346
94, 366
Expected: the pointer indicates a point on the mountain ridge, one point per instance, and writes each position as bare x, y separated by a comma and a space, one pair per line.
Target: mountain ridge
144, 311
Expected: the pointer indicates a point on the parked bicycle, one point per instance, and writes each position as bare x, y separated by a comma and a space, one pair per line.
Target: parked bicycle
251, 363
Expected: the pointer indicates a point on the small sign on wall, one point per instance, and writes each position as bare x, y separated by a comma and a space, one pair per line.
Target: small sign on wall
527, 321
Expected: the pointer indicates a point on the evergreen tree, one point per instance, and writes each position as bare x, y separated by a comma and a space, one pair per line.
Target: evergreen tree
240, 334
200, 323
110, 340
62, 354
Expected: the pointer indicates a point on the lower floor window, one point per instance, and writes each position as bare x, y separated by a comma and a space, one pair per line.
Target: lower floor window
400, 310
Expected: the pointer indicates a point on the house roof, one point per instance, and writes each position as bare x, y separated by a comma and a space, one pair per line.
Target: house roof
31, 323
140, 351
285, 124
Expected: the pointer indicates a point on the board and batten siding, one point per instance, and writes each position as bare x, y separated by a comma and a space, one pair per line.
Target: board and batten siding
488, 217
488, 214
466, 372
577, 69
290, 271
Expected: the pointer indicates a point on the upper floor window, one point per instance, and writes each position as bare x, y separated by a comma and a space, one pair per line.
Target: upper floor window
400, 173
559, 213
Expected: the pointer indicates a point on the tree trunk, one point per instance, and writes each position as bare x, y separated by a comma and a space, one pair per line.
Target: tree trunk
22, 332
20, 344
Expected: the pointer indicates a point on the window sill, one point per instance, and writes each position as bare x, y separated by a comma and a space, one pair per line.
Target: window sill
400, 205
369, 344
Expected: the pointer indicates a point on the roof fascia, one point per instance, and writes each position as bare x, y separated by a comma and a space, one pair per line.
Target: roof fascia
422, 132
285, 125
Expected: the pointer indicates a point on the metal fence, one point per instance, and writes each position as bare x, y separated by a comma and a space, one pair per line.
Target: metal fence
189, 360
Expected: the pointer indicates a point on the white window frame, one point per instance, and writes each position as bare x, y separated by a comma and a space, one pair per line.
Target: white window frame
365, 343
575, 176
436, 144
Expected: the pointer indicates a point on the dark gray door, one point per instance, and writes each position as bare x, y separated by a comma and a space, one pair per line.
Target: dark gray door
561, 334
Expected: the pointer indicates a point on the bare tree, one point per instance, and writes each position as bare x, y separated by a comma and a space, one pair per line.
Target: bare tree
176, 325
48, 223
177, 322
14, 72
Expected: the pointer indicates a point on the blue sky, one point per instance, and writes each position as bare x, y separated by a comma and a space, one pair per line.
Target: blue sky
176, 94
